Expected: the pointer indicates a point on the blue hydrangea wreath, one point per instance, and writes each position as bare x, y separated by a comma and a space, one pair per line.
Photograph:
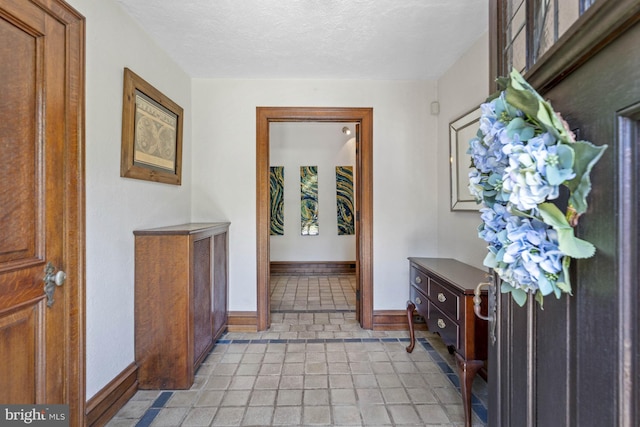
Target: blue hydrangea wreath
523, 153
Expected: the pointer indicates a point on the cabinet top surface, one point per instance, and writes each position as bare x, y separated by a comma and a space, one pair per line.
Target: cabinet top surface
191, 228
461, 275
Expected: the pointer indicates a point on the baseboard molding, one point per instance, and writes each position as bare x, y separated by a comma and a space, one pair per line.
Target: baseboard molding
303, 268
108, 401
242, 321
383, 320
393, 320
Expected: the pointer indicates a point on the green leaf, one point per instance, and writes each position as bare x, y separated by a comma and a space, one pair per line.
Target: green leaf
490, 260
586, 156
564, 287
523, 100
566, 284
523, 96
502, 83
505, 287
545, 116
540, 300
519, 296
573, 246
568, 243
553, 216
556, 290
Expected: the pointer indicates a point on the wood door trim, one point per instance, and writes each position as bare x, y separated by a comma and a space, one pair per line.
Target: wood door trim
75, 217
364, 197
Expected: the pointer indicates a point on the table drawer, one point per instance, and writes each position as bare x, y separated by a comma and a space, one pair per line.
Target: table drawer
444, 299
420, 300
420, 280
447, 328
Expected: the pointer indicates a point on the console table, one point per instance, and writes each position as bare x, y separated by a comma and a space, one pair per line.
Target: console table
442, 291
181, 285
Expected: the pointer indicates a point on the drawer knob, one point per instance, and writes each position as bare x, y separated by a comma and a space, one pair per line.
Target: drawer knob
441, 297
441, 324
418, 280
418, 301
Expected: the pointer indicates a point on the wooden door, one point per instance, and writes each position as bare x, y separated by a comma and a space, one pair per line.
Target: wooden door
41, 204
575, 363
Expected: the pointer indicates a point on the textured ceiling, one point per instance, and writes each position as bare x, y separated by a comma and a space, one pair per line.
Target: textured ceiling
325, 39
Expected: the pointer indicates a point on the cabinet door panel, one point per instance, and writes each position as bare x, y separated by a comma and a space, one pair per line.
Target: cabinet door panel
201, 297
220, 288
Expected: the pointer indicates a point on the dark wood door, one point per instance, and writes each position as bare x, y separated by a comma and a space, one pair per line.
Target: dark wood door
41, 204
575, 363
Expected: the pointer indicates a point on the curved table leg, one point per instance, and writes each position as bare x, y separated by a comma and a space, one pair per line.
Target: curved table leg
467, 370
412, 338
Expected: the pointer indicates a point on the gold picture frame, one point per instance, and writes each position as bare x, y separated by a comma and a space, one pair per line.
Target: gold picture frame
151, 133
461, 131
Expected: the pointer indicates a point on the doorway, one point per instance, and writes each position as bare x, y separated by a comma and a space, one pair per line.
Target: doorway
363, 117
313, 257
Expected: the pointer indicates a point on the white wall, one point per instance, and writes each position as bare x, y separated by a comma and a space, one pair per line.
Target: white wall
116, 206
296, 144
463, 87
404, 163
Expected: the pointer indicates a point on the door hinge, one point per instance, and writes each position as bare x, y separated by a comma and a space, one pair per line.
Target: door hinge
357, 215
358, 295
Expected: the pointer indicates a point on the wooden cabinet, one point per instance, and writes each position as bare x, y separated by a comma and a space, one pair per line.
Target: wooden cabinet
181, 284
442, 291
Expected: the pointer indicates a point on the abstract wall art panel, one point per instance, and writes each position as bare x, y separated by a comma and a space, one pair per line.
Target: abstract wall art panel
309, 200
344, 200
276, 178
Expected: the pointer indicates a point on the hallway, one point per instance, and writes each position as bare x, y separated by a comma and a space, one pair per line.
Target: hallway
314, 366
313, 293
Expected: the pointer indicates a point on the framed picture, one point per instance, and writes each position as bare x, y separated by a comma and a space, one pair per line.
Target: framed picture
151, 133
461, 131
